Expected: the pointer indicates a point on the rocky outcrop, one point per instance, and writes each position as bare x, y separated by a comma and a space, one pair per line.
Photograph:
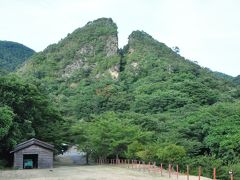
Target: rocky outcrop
111, 46
69, 70
114, 71
135, 65
86, 50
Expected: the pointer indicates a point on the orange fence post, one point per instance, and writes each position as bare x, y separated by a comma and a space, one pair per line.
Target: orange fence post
231, 174
199, 173
187, 172
161, 169
214, 173
149, 167
177, 171
154, 166
169, 170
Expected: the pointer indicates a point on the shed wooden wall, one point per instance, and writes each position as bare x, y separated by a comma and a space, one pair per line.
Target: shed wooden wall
45, 156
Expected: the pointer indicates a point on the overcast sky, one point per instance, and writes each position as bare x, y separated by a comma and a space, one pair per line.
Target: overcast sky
206, 31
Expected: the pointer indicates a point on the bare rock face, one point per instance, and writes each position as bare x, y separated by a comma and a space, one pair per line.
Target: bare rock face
80, 61
114, 71
86, 50
135, 65
69, 70
111, 46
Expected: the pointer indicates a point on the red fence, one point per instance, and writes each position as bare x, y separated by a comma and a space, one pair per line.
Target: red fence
151, 167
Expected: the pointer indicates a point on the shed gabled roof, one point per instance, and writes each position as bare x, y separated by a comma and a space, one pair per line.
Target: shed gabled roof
31, 142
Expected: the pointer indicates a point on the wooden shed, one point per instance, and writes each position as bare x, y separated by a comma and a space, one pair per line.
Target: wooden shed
33, 154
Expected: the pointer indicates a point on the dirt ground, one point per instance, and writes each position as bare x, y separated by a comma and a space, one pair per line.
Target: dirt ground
96, 172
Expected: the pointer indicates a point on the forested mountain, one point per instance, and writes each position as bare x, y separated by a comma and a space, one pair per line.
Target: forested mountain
144, 101
224, 76
237, 80
12, 55
86, 70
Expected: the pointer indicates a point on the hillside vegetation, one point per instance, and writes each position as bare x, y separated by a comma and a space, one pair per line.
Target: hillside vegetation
25, 112
12, 55
144, 101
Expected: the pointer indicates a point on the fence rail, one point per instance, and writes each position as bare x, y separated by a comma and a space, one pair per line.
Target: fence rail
170, 170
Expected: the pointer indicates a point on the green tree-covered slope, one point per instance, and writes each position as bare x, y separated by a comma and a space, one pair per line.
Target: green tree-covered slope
25, 112
175, 103
12, 55
224, 76
237, 80
86, 70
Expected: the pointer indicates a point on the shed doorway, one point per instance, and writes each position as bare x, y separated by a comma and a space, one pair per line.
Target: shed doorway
30, 161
